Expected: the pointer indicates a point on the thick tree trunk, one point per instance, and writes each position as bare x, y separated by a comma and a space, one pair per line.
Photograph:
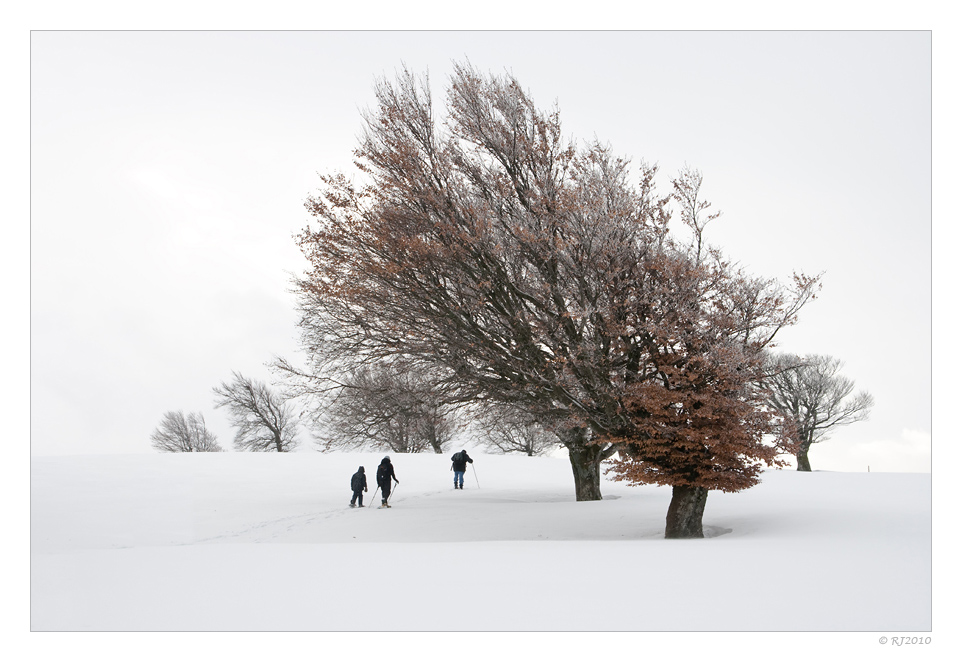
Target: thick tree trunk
685, 512
802, 458
585, 461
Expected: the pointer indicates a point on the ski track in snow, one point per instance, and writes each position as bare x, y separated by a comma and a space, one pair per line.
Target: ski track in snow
272, 529
303, 524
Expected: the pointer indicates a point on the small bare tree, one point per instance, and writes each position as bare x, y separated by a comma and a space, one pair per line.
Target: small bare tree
390, 406
509, 430
813, 398
179, 434
264, 421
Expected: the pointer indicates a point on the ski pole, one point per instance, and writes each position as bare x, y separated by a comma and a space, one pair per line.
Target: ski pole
475, 475
391, 492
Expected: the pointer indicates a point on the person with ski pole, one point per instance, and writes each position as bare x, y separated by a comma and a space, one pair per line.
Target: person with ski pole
459, 462
385, 472
359, 486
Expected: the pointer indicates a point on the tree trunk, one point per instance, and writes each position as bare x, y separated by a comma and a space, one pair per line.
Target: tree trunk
685, 512
802, 458
585, 461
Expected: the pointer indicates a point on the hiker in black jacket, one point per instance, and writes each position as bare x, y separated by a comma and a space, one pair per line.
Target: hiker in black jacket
459, 462
385, 472
359, 485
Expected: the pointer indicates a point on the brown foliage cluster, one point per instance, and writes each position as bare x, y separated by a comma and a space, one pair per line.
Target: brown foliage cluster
697, 418
697, 425
527, 270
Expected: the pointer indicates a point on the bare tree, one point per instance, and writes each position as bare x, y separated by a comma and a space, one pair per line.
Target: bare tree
389, 405
511, 430
264, 421
179, 434
813, 399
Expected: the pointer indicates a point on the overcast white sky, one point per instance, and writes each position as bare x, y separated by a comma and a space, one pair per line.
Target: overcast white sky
169, 170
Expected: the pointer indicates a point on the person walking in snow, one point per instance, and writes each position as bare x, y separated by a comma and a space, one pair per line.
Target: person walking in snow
359, 486
385, 472
459, 462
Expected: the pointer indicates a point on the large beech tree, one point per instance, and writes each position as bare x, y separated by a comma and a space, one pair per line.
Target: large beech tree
527, 270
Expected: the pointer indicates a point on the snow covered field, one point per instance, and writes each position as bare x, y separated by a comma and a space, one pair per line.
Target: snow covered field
266, 542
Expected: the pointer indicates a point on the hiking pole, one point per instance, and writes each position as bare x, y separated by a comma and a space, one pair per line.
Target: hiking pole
475, 475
